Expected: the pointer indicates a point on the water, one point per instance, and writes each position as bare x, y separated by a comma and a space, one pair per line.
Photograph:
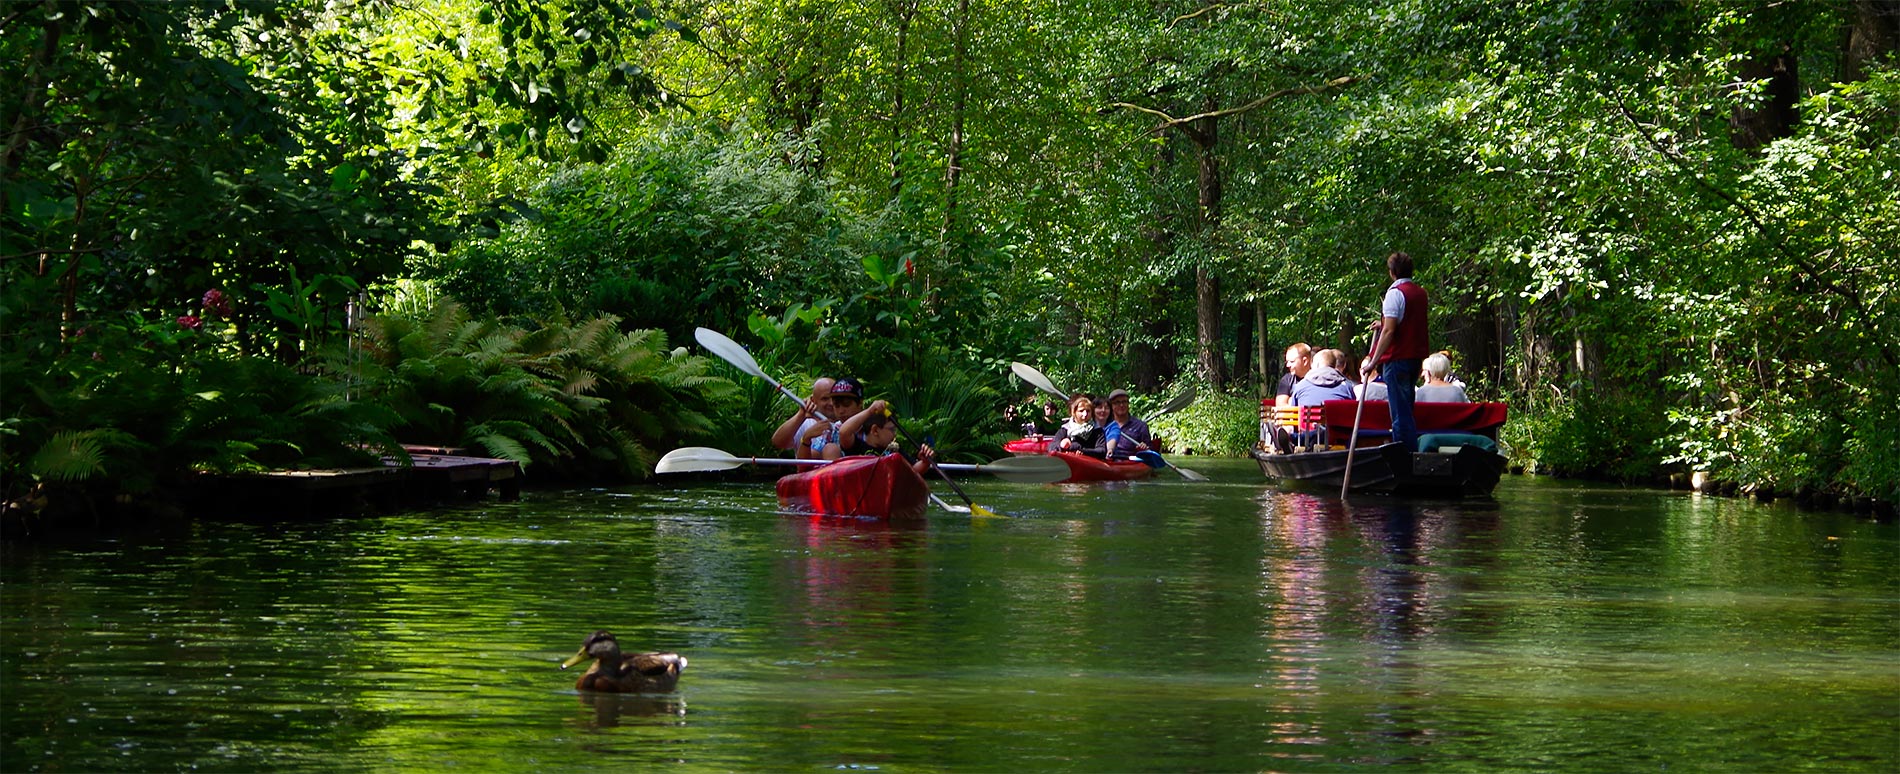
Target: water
1160, 626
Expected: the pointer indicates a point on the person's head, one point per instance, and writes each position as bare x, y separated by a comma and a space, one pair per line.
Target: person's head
821, 393
1118, 404
1437, 366
1081, 407
1102, 414
1399, 265
847, 397
879, 432
1323, 358
1299, 358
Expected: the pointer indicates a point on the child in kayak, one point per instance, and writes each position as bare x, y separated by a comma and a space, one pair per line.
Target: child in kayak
873, 432
1081, 433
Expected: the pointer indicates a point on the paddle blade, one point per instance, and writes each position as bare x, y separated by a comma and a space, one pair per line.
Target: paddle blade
1181, 401
701, 459
1152, 458
978, 510
1036, 379
696, 459
729, 351
1187, 474
1022, 470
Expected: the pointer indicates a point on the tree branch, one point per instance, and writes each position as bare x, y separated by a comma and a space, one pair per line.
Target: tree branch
1774, 237
1185, 17
1170, 122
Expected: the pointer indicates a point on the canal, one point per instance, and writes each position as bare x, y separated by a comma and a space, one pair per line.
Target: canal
1157, 626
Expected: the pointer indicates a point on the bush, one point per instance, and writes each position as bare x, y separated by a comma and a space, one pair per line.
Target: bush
1215, 424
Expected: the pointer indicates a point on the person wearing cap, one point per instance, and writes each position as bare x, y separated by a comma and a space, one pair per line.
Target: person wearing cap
847, 399
1125, 434
815, 411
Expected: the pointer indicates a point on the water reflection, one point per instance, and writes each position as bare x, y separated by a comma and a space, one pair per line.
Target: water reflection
608, 709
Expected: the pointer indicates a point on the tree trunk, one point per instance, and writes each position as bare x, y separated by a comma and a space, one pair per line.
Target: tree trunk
1243, 349
1776, 117
953, 157
1151, 359
1874, 32
1263, 366
1206, 137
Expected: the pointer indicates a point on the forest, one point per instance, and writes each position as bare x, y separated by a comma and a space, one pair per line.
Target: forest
263, 234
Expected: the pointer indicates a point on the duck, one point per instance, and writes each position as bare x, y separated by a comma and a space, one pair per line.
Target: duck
616, 672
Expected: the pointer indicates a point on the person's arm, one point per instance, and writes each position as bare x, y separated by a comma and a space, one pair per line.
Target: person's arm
1387, 327
786, 436
1142, 436
848, 432
1061, 440
926, 457
817, 430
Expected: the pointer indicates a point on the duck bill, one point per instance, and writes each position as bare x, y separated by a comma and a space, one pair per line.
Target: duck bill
574, 659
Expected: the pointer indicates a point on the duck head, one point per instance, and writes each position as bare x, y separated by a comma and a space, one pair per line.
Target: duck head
599, 645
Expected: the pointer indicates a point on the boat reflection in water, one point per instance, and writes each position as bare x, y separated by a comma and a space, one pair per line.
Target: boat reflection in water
1361, 584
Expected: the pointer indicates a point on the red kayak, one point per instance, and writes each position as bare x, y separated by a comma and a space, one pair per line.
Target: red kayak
1081, 466
1031, 446
878, 487
1085, 468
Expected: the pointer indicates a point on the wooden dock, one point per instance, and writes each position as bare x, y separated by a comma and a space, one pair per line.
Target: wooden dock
431, 475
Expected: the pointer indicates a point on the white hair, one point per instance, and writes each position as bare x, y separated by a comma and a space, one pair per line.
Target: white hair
1438, 365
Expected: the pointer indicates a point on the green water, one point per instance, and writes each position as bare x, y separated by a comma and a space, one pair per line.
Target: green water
1162, 626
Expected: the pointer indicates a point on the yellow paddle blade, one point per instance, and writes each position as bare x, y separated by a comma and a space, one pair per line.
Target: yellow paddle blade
978, 510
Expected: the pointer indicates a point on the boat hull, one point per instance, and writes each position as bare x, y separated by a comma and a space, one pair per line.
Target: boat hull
1030, 446
874, 487
1083, 468
1467, 472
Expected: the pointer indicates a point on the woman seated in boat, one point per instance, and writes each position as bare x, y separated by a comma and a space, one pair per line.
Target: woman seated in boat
1438, 388
1124, 434
873, 432
1081, 434
1374, 388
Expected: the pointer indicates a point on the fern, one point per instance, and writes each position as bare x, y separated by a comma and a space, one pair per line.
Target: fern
69, 456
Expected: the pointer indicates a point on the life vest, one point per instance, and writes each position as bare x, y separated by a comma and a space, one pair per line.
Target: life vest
1409, 340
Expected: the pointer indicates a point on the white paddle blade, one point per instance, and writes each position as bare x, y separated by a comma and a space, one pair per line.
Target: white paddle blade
729, 351
1185, 399
696, 459
1187, 474
701, 459
1036, 379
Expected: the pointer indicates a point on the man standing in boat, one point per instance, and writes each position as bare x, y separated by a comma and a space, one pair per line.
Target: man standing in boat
1401, 347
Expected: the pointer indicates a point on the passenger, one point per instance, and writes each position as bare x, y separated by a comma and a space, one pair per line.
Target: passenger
1124, 434
873, 432
1374, 388
1081, 431
815, 411
1399, 354
1451, 377
1340, 359
847, 399
1323, 382
1439, 389
1299, 359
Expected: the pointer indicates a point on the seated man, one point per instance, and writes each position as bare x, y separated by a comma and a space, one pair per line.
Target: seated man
1322, 383
1299, 360
1439, 389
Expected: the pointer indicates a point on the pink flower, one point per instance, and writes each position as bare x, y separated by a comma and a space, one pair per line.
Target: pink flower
190, 322
216, 302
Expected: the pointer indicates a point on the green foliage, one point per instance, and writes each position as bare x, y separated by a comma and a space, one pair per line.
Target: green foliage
1215, 424
574, 400
1598, 436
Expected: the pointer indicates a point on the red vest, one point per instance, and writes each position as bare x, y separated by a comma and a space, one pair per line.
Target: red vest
1409, 340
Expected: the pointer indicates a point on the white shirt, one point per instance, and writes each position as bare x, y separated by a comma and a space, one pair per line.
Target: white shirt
1394, 306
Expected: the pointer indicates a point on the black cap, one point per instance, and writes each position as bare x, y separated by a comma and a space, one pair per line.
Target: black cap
848, 386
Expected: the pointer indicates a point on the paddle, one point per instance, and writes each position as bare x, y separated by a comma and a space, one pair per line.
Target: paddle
1155, 460
1359, 409
1037, 380
974, 508
730, 351
1021, 470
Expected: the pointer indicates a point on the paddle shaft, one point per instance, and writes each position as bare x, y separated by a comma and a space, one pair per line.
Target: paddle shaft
940, 471
1358, 410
